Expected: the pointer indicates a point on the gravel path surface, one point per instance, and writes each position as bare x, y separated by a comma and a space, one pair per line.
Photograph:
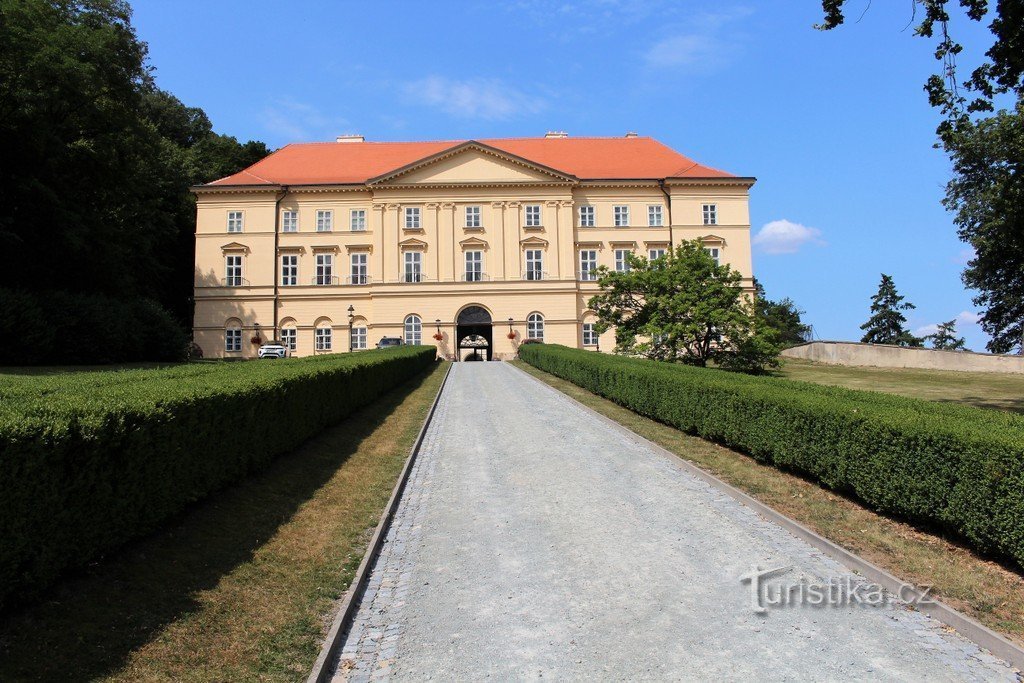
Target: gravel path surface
534, 541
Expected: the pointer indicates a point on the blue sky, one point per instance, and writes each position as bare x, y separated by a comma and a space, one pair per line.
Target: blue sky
835, 126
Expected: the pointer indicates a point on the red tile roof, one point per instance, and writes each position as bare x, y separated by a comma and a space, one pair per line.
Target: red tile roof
320, 163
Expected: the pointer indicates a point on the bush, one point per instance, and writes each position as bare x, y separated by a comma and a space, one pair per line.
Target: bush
93, 459
957, 468
62, 328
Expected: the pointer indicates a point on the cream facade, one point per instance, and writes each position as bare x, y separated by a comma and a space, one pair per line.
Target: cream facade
469, 241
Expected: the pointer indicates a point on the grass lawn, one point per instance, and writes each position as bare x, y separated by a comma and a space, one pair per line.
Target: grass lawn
241, 586
979, 389
985, 590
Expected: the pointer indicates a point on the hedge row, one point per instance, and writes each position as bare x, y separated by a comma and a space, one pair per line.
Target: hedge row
954, 467
91, 460
66, 328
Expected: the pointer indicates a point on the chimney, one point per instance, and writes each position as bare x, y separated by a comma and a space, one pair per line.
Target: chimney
632, 134
556, 134
351, 138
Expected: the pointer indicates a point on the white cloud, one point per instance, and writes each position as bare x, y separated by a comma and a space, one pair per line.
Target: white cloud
477, 98
963, 319
785, 237
684, 50
965, 255
299, 122
926, 330
705, 40
968, 318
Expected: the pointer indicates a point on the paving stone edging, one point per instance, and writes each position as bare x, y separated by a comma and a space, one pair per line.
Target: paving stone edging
963, 624
342, 619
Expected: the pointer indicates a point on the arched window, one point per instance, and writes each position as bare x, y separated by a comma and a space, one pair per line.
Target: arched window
233, 336
535, 326
413, 329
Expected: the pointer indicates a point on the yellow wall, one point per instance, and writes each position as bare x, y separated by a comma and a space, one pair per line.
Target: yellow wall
502, 189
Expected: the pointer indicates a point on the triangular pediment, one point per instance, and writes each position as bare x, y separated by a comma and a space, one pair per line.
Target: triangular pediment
472, 163
474, 243
412, 243
534, 241
713, 239
234, 246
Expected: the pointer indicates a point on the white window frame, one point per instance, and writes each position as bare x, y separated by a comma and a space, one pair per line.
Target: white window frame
473, 217
589, 334
588, 216
534, 264
233, 340
412, 218
474, 265
359, 268
289, 270
412, 266
236, 221
357, 220
715, 253
324, 269
535, 326
655, 216
289, 220
534, 216
710, 213
323, 338
325, 220
621, 215
585, 272
656, 253
290, 338
621, 261
413, 328
359, 335
233, 270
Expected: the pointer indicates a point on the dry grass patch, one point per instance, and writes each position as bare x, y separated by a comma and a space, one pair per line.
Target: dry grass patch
985, 590
242, 586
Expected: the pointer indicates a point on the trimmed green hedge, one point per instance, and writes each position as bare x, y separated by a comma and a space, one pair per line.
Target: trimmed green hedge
954, 467
91, 460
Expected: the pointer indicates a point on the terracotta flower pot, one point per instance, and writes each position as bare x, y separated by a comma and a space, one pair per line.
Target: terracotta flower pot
511, 335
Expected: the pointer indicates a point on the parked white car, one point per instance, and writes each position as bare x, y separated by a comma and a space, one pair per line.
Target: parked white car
273, 349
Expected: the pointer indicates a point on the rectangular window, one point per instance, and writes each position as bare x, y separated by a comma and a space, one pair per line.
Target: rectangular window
289, 270
413, 267
533, 216
324, 269
357, 220
412, 217
472, 216
589, 335
289, 221
534, 264
360, 273
710, 212
713, 253
233, 339
323, 338
621, 216
655, 254
621, 260
588, 264
586, 216
232, 270
654, 217
234, 221
358, 338
324, 220
289, 337
474, 266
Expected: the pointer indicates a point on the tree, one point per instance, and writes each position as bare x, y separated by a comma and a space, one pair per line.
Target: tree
885, 326
782, 316
986, 192
945, 338
683, 307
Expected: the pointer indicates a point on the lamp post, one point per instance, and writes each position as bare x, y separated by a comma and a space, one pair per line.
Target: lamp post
510, 326
437, 322
351, 317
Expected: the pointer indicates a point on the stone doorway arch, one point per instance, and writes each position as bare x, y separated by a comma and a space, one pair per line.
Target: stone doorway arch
473, 331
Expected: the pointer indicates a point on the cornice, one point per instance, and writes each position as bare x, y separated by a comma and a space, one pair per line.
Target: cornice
711, 182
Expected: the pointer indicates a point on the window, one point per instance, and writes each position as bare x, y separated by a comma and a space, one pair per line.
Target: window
535, 326
289, 270
413, 267
289, 338
413, 329
324, 338
233, 339
324, 220
589, 335
533, 216
412, 217
234, 221
655, 254
358, 338
710, 212
621, 216
357, 220
289, 221
474, 266
622, 260
233, 270
324, 269
586, 216
654, 217
534, 264
360, 274
472, 216
713, 253
588, 263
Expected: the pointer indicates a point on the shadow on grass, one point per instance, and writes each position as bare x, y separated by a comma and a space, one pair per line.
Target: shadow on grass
91, 623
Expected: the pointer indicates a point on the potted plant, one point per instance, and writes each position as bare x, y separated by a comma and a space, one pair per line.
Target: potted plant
256, 340
511, 335
438, 336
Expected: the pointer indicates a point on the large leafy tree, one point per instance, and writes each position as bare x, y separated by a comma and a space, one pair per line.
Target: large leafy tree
783, 316
886, 324
986, 192
683, 307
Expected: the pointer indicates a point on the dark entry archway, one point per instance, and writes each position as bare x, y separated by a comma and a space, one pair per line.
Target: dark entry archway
473, 321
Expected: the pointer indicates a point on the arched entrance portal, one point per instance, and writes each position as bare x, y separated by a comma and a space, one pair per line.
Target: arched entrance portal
473, 331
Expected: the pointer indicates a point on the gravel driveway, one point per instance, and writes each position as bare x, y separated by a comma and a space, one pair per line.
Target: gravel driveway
534, 541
